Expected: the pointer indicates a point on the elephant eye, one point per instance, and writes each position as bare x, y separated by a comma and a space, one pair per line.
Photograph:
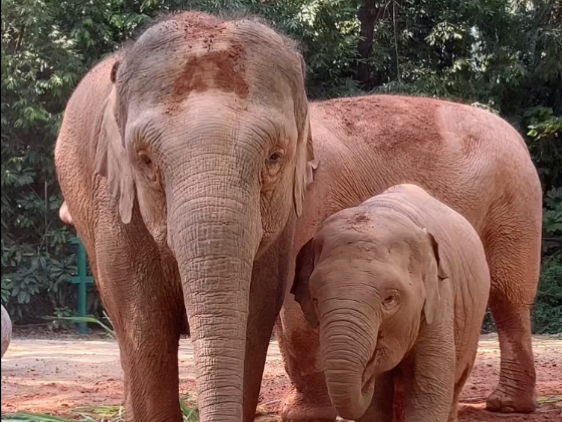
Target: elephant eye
274, 158
390, 300
273, 165
149, 169
145, 158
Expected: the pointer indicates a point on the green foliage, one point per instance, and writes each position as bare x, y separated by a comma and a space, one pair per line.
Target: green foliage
544, 137
501, 55
552, 215
552, 224
62, 318
47, 47
548, 304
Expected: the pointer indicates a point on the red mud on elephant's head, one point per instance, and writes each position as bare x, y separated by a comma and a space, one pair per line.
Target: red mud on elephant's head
223, 70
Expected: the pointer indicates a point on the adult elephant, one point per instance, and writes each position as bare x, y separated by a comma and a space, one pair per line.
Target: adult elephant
183, 161
467, 158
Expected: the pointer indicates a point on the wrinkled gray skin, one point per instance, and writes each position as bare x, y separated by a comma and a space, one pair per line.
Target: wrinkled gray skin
6, 330
398, 287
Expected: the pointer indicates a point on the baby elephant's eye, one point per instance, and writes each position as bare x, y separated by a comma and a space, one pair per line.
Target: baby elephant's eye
390, 300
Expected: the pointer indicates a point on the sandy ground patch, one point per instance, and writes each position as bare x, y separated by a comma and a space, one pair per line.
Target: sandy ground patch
55, 376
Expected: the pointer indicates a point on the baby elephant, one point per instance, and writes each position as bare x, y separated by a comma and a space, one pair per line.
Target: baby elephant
398, 286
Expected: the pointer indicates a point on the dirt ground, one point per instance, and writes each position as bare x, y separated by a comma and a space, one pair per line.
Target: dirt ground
56, 376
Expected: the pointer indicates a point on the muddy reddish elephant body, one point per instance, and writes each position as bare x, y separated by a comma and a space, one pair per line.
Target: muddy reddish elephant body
184, 161
467, 158
397, 287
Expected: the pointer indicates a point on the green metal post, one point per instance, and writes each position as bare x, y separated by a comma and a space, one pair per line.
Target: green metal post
82, 280
82, 292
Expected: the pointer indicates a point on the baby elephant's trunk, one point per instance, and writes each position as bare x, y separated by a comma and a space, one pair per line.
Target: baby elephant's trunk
347, 346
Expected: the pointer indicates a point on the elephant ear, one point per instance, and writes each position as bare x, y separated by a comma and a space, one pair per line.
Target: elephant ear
112, 161
64, 214
433, 277
305, 162
303, 270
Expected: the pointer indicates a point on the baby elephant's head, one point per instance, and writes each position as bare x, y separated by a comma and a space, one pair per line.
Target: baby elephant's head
367, 281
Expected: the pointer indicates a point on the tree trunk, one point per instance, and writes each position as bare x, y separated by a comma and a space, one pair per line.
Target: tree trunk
368, 14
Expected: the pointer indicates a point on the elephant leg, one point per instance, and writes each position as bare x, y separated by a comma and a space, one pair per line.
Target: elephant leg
453, 413
307, 399
514, 270
127, 390
144, 301
382, 405
269, 280
430, 375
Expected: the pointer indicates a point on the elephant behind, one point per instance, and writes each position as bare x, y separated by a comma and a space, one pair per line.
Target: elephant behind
6, 330
470, 160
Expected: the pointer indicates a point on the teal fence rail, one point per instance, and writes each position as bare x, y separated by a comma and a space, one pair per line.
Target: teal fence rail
82, 280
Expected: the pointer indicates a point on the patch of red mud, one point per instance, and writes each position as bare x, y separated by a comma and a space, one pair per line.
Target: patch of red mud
226, 66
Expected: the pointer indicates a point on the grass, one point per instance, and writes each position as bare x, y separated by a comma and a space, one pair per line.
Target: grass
89, 320
95, 414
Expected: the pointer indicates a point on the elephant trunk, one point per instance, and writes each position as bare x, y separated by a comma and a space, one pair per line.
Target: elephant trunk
214, 230
347, 347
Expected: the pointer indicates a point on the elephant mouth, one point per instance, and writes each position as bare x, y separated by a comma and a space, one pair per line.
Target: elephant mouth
369, 374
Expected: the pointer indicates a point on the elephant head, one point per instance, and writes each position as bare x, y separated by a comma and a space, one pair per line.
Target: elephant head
368, 281
206, 129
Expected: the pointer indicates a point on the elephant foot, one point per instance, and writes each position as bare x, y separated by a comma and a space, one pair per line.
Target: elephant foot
310, 408
502, 402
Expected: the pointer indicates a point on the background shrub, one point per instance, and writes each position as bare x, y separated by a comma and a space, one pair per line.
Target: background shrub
502, 55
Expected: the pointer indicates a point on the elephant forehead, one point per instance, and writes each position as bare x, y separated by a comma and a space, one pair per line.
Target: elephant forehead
352, 245
221, 69
239, 57
355, 277
372, 236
